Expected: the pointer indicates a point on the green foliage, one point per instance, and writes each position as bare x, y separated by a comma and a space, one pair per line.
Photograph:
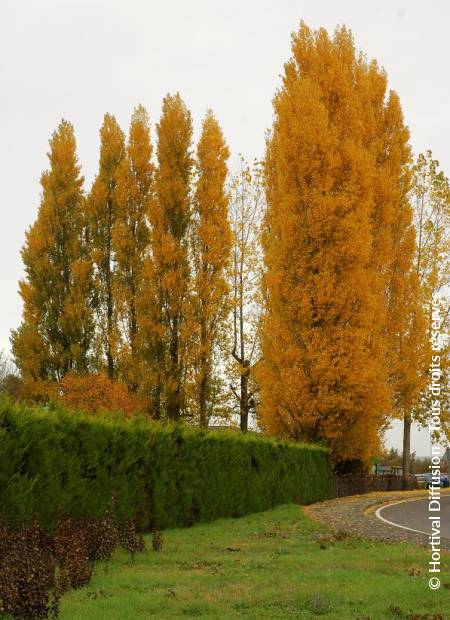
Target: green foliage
56, 464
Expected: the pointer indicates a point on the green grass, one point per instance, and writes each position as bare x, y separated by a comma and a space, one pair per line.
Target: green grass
275, 564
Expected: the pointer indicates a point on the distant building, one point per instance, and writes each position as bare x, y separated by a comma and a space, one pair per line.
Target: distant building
379, 469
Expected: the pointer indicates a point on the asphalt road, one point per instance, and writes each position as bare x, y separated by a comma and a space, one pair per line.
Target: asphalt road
415, 515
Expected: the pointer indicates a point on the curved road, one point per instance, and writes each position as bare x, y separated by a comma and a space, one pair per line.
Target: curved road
414, 515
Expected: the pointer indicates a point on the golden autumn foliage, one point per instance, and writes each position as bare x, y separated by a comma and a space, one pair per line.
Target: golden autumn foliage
393, 249
166, 310
323, 375
96, 393
103, 212
211, 243
406, 328
303, 269
57, 327
130, 241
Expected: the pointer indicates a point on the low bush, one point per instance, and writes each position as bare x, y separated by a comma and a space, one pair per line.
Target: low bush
29, 586
38, 567
72, 553
55, 464
130, 539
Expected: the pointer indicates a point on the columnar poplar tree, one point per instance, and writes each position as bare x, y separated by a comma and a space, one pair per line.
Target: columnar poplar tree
430, 195
130, 239
152, 333
393, 244
408, 350
57, 326
323, 375
169, 268
103, 211
211, 243
246, 211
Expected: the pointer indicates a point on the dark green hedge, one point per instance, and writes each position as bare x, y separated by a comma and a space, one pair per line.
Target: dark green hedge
56, 463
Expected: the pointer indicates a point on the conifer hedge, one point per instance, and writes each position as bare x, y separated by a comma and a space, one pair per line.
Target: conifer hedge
58, 464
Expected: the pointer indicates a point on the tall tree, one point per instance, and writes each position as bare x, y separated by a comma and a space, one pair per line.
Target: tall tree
57, 325
152, 333
393, 244
169, 269
211, 244
103, 212
430, 197
246, 205
431, 208
130, 240
322, 376
406, 333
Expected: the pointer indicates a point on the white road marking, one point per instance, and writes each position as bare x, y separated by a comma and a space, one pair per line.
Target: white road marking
403, 527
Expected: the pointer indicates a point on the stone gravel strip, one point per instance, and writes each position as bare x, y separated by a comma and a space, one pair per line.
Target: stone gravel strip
356, 515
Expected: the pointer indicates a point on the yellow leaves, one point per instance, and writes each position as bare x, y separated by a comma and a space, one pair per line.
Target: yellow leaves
323, 374
211, 246
112, 146
57, 318
174, 133
163, 301
122, 282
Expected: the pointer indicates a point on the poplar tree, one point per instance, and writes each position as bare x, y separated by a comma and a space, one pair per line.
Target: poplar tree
394, 245
246, 210
211, 243
152, 334
430, 199
408, 348
130, 240
168, 270
103, 212
57, 324
323, 375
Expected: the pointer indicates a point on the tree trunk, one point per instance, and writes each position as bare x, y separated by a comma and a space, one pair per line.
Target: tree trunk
203, 390
204, 376
156, 413
133, 385
406, 446
173, 400
244, 407
173, 404
109, 299
109, 354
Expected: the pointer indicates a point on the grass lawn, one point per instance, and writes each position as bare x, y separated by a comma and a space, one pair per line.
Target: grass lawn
276, 564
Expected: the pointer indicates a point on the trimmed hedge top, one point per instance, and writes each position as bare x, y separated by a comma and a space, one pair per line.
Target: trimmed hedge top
54, 463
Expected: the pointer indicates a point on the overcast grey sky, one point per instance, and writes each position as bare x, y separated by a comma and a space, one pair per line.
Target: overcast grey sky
78, 59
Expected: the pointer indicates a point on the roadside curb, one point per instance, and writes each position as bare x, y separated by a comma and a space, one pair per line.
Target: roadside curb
356, 515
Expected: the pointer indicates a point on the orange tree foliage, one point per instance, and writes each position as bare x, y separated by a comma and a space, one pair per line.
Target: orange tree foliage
57, 326
103, 213
96, 393
408, 348
324, 375
211, 251
130, 240
166, 308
